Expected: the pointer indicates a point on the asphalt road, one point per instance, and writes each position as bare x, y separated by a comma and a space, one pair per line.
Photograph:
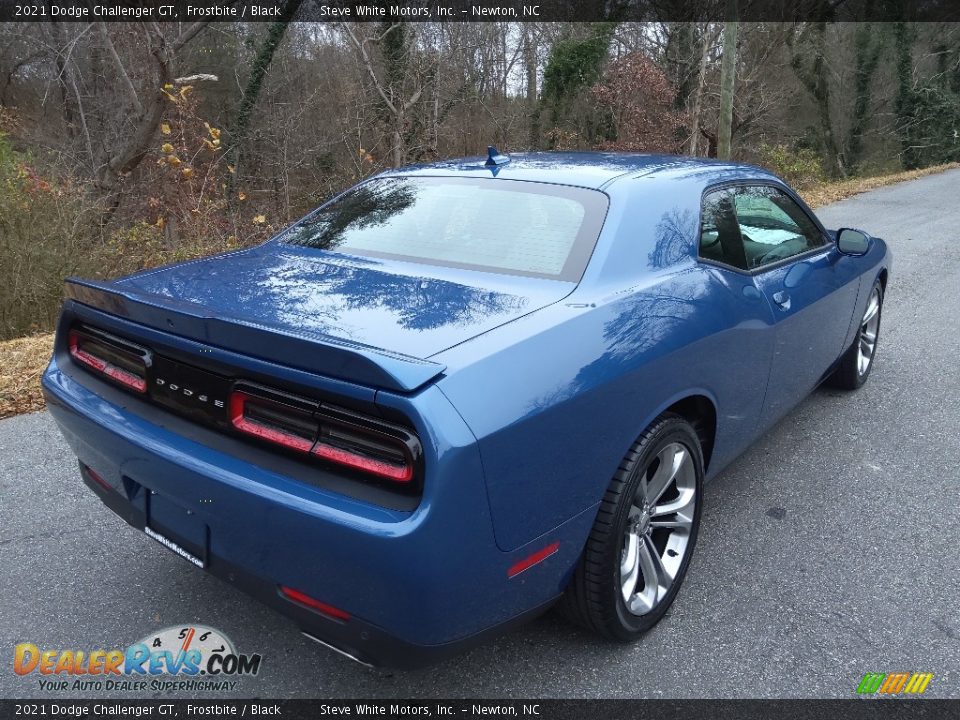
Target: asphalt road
829, 550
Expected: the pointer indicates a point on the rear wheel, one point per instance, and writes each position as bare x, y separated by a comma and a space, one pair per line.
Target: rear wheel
640, 546
857, 361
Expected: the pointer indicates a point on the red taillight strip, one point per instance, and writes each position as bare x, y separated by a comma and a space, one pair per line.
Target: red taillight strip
97, 479
304, 599
244, 424
397, 473
340, 456
529, 562
127, 379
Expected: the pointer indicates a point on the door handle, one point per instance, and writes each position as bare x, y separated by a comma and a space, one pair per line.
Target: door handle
782, 299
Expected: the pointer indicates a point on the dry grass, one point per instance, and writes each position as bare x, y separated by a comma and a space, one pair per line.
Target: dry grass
21, 363
829, 192
23, 360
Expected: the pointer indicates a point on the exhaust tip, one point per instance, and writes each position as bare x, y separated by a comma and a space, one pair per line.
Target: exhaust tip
337, 650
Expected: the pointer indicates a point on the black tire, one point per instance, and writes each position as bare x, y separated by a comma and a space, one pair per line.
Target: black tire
848, 375
594, 598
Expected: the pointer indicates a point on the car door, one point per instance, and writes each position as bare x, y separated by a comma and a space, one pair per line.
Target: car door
797, 268
738, 363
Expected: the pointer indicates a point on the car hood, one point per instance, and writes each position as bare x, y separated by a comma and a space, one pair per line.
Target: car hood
408, 308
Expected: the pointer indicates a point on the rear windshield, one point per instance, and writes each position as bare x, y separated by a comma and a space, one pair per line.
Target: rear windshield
508, 226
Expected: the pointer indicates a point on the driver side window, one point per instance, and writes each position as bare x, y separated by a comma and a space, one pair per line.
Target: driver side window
772, 226
750, 226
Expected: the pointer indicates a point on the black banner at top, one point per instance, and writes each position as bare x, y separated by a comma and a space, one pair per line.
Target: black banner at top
480, 10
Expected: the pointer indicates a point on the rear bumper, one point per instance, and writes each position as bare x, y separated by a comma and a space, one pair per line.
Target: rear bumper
363, 642
418, 585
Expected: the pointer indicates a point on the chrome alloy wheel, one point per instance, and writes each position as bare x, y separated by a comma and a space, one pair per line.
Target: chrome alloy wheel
869, 327
657, 535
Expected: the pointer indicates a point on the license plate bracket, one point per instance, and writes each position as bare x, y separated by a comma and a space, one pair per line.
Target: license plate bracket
177, 528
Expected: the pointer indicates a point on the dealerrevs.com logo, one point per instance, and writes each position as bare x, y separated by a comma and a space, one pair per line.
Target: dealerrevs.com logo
180, 657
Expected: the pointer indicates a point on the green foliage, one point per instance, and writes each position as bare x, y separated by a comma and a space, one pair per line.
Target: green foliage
801, 167
573, 67
929, 126
575, 64
928, 113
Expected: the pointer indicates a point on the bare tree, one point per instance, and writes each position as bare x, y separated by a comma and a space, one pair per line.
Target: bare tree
114, 82
398, 85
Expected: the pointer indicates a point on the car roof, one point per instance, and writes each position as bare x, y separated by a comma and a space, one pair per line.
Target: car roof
585, 169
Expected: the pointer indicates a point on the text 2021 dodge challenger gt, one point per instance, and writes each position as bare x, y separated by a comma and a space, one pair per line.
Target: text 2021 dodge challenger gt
457, 393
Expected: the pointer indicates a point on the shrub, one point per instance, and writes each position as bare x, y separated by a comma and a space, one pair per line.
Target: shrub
639, 103
928, 124
800, 167
52, 227
44, 236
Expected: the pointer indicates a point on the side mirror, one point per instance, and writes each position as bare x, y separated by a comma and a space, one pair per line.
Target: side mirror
852, 242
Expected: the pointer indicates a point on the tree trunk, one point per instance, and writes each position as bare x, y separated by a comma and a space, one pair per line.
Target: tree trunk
869, 44
398, 151
821, 94
814, 74
530, 61
258, 71
904, 105
728, 76
680, 56
121, 159
698, 92
67, 110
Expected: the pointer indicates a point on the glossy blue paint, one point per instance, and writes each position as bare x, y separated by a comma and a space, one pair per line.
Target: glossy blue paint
411, 309
525, 393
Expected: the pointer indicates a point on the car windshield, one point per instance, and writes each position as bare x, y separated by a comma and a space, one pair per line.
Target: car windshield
509, 226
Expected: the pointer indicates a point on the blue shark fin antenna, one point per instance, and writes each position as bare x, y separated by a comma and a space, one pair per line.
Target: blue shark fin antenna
495, 158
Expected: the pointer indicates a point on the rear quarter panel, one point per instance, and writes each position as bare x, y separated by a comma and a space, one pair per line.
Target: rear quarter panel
557, 398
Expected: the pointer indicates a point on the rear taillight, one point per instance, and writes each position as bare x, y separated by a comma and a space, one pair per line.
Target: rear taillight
314, 604
121, 362
272, 421
96, 477
366, 445
398, 472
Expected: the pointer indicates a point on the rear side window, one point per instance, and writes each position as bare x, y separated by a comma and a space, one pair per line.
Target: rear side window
720, 239
509, 226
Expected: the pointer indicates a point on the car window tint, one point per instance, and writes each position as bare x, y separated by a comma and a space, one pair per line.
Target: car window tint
497, 225
772, 226
720, 239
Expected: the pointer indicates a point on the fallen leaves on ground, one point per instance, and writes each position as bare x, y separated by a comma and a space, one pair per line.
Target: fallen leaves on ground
21, 363
830, 192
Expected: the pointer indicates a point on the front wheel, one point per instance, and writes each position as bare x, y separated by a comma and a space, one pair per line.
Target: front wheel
857, 361
640, 546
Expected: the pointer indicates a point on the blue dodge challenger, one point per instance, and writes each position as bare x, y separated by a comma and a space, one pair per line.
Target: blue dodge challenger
459, 393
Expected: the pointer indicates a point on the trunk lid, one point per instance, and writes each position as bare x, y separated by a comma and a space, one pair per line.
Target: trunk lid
372, 321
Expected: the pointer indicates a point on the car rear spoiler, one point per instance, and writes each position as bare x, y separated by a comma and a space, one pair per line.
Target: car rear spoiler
333, 357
